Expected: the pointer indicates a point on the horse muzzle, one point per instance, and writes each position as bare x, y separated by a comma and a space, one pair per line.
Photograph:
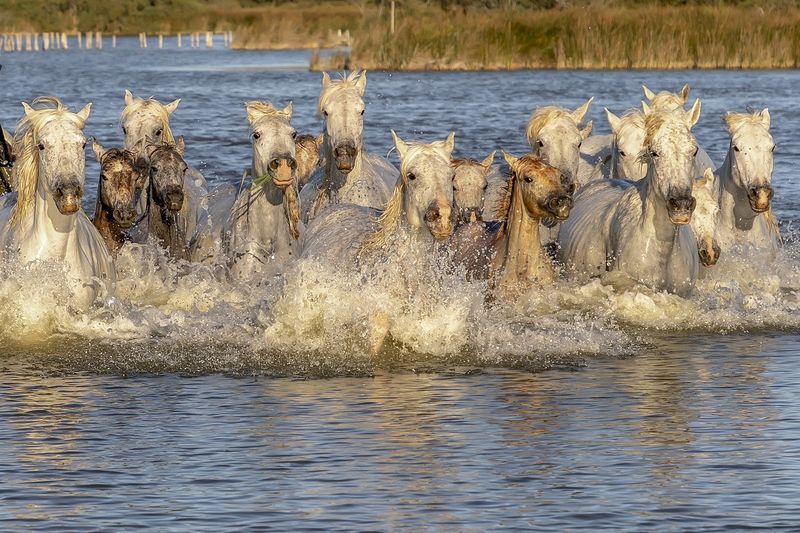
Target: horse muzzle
760, 198
124, 216
680, 209
282, 171
440, 220
345, 156
559, 206
709, 251
67, 197
173, 198
470, 214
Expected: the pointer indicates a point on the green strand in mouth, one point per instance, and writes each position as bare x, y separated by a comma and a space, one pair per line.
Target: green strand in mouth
260, 181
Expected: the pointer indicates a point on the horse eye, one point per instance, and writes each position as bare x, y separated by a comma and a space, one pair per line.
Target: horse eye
185, 170
580, 144
40, 146
362, 112
735, 148
103, 177
695, 151
621, 153
324, 113
485, 186
159, 132
256, 135
528, 179
84, 145
653, 153
124, 130
540, 143
294, 135
154, 169
411, 176
773, 148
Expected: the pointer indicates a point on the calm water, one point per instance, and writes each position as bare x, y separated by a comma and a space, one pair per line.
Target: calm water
178, 409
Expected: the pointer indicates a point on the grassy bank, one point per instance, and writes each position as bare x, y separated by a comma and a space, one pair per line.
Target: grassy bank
459, 35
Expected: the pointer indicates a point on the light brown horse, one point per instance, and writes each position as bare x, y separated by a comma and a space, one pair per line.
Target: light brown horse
306, 153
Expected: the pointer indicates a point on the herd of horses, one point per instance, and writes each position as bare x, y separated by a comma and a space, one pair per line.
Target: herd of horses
645, 200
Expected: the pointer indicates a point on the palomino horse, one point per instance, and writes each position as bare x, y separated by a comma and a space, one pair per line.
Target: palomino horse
306, 152
146, 121
349, 175
745, 184
419, 214
122, 177
641, 228
46, 220
258, 231
510, 254
163, 218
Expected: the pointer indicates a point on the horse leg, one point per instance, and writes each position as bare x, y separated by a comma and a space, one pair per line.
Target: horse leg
378, 330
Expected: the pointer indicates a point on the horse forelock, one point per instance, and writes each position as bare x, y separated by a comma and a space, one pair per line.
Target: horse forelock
260, 110
150, 105
734, 121
544, 116
26, 170
666, 101
345, 83
632, 119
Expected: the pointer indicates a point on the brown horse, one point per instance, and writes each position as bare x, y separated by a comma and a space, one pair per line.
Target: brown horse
509, 252
122, 177
306, 153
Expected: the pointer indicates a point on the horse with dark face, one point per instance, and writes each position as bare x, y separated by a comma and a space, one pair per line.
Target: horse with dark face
122, 178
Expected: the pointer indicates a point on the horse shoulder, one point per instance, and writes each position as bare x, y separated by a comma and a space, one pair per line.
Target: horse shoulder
337, 234
95, 255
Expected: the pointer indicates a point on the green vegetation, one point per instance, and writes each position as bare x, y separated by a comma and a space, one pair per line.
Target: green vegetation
464, 34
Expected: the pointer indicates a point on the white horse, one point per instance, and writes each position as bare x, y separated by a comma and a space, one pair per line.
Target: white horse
46, 221
745, 184
257, 230
349, 175
641, 228
146, 121
419, 214
705, 219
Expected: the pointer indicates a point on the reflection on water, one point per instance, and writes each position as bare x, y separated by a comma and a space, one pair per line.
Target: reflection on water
689, 434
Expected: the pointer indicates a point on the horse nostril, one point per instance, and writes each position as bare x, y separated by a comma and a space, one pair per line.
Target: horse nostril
292, 163
692, 203
274, 164
433, 215
673, 203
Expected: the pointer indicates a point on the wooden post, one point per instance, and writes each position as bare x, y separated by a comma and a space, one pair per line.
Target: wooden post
45, 41
179, 40
209, 39
114, 41
64, 41
88, 40
35, 42
98, 40
392, 17
160, 41
80, 40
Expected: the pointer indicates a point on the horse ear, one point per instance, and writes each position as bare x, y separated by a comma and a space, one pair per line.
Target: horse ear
613, 120
326, 80
648, 93
28, 109
510, 159
361, 82
684, 94
587, 130
694, 114
765, 118
83, 114
706, 181
98, 149
288, 110
129, 98
173, 105
646, 108
402, 147
252, 114
580, 112
180, 145
489, 159
450, 143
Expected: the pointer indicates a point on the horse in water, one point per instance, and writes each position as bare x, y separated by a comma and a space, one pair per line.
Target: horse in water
666, 100
146, 121
122, 177
641, 228
510, 254
349, 175
306, 152
257, 230
46, 220
401, 238
705, 218
745, 184
163, 218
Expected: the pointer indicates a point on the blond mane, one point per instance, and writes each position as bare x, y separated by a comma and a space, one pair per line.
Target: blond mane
734, 121
632, 119
157, 108
542, 117
343, 83
258, 110
666, 101
45, 109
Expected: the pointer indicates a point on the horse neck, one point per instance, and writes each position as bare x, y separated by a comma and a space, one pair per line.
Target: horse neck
266, 214
50, 226
520, 253
654, 214
104, 221
734, 205
334, 179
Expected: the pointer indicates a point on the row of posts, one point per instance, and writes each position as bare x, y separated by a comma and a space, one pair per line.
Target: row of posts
34, 42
